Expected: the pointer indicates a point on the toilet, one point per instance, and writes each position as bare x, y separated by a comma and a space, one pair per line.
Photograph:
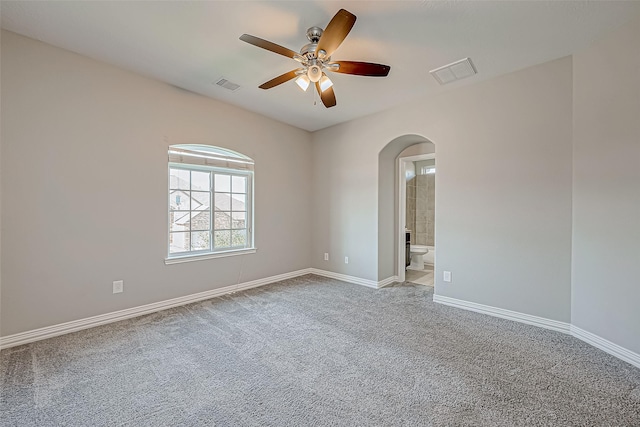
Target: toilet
417, 256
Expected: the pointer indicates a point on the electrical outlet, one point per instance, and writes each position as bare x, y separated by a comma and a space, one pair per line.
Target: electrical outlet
326, 256
346, 260
446, 276
118, 286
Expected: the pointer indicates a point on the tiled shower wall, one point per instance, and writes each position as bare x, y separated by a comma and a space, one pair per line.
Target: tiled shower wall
411, 208
420, 218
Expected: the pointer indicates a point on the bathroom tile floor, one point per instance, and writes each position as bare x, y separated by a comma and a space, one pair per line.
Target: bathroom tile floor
420, 277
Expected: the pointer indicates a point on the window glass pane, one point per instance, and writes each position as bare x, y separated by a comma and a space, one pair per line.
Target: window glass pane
239, 184
239, 220
238, 237
200, 200
179, 221
200, 240
223, 201
209, 205
239, 202
222, 239
222, 221
200, 180
178, 242
179, 179
179, 200
223, 183
201, 220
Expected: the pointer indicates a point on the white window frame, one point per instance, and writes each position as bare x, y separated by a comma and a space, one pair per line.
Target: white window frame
186, 157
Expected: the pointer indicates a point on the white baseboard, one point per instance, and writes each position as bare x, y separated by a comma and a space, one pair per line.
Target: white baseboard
103, 319
567, 328
89, 322
388, 281
353, 279
607, 346
505, 314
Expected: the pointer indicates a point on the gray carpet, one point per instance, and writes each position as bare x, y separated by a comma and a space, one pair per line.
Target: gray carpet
313, 351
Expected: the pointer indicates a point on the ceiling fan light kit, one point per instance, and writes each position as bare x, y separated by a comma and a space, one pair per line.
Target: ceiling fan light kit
325, 83
315, 58
314, 72
303, 81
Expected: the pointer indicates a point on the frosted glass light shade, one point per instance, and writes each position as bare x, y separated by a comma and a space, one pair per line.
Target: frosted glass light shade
303, 82
314, 72
325, 83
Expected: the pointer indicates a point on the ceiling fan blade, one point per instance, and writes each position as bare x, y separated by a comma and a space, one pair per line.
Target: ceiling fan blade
328, 97
276, 48
336, 32
280, 79
359, 68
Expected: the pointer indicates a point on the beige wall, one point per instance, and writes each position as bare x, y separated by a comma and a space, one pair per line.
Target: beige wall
504, 220
503, 216
0, 189
84, 157
606, 188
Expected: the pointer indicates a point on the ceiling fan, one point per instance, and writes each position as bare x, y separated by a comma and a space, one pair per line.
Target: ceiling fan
315, 58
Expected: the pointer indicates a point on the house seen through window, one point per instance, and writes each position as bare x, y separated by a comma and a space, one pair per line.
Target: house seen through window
210, 201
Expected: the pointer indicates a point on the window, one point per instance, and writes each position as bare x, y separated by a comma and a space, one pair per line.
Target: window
210, 202
426, 170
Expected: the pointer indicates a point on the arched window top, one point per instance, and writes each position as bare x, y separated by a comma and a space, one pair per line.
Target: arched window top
210, 149
208, 155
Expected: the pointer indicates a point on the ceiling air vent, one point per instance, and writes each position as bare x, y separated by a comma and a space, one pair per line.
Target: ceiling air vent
454, 71
228, 85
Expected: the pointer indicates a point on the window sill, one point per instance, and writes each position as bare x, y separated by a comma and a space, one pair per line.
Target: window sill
190, 258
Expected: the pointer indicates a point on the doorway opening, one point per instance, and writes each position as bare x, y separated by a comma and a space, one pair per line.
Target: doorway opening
391, 225
416, 214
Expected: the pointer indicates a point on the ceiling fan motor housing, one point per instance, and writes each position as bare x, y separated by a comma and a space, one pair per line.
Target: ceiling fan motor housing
309, 51
314, 34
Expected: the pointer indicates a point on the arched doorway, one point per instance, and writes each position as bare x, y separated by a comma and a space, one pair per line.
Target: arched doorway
390, 223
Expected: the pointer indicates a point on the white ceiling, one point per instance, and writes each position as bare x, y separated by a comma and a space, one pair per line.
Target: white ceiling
192, 44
